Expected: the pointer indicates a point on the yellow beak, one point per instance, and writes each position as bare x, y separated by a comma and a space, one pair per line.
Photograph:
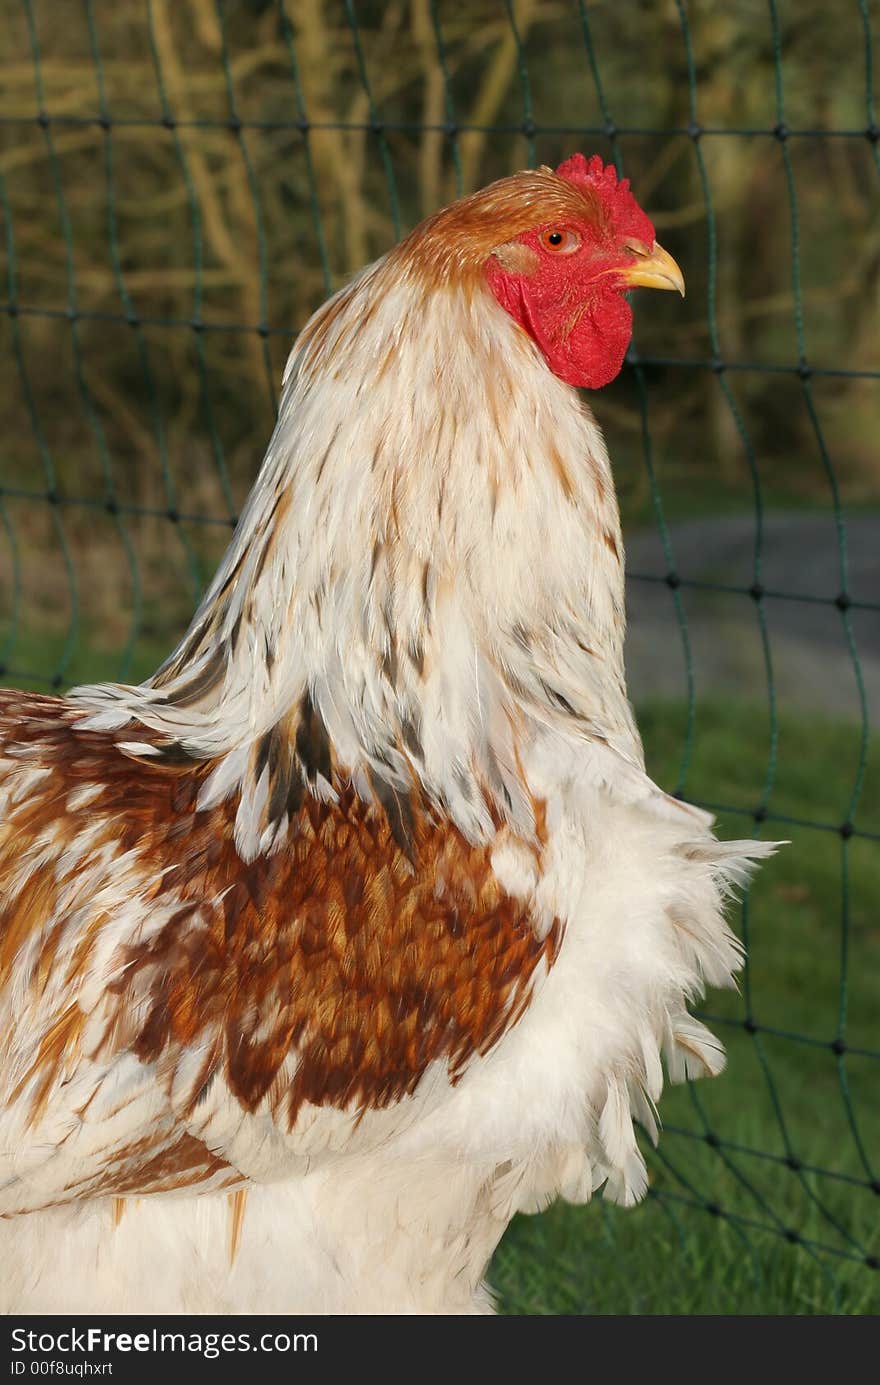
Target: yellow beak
653, 269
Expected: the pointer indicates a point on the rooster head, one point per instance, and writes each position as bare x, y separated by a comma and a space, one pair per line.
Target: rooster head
559, 251
564, 281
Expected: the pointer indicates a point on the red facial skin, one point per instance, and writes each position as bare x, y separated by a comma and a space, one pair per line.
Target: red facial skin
572, 303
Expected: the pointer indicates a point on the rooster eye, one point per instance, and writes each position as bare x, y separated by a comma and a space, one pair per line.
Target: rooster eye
561, 242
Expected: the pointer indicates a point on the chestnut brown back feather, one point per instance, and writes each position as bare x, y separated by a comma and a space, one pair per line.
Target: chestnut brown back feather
367, 947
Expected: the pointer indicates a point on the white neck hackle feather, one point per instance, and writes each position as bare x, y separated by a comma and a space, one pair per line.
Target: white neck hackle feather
431, 549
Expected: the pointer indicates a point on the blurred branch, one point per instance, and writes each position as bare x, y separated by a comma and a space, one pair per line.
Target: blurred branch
229, 248
431, 146
318, 70
487, 103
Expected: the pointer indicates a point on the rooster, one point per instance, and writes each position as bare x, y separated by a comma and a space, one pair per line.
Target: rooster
360, 927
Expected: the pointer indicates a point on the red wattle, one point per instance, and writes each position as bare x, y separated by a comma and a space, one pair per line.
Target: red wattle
583, 337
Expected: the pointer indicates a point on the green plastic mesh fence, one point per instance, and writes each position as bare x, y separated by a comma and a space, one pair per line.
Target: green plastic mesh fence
182, 182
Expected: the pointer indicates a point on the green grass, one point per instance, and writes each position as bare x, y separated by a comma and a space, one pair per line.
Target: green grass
37, 660
779, 1097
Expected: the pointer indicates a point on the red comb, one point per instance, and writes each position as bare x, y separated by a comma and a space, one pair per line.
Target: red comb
626, 215
592, 172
